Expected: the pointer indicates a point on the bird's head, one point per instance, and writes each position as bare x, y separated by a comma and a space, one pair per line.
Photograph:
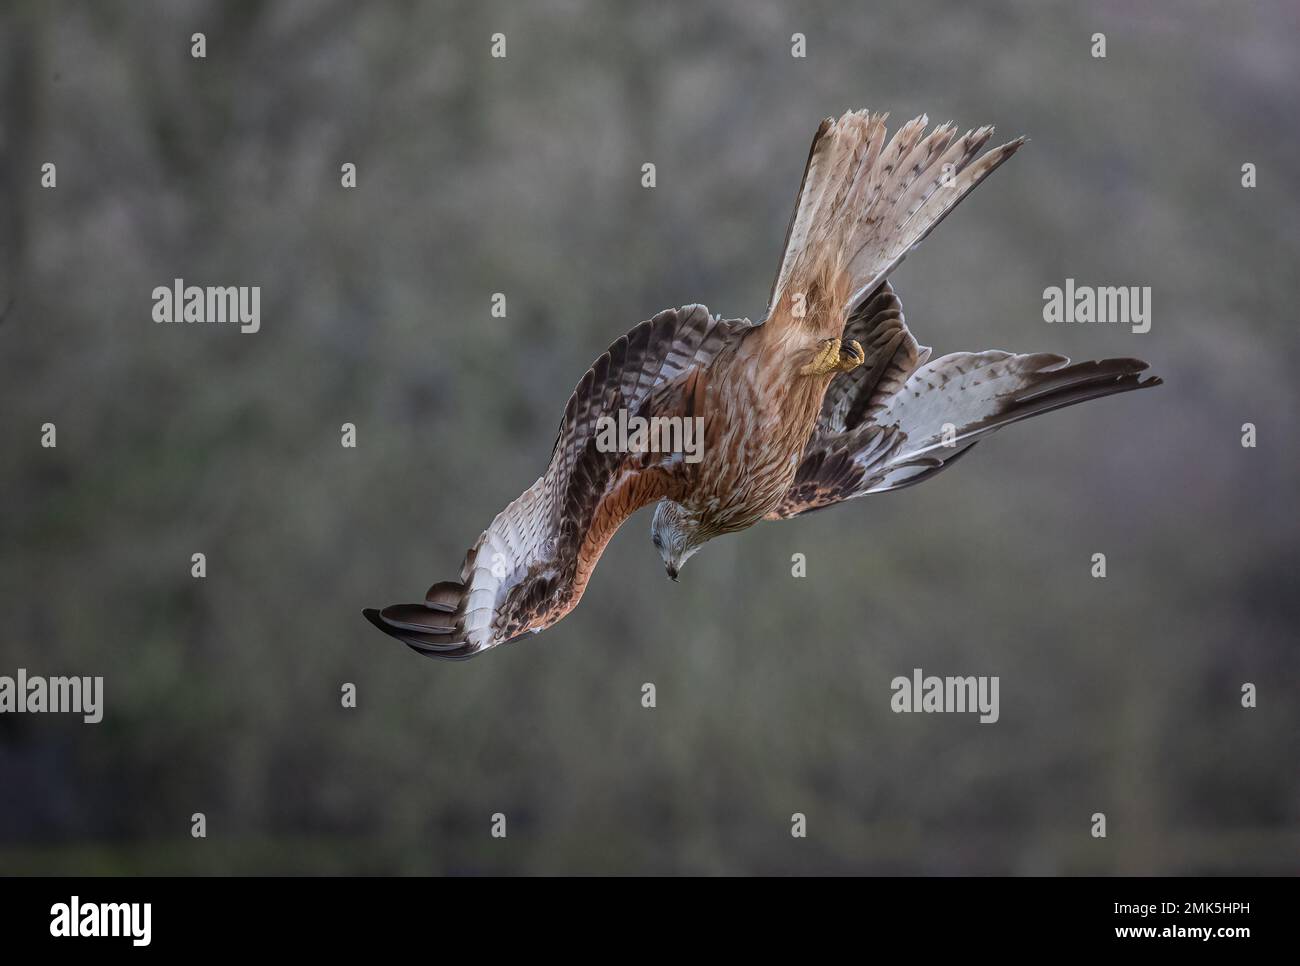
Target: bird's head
677, 534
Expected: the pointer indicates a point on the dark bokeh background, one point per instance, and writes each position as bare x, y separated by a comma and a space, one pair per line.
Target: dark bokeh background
522, 176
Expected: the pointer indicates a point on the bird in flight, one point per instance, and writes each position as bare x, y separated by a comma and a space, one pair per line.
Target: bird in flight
827, 399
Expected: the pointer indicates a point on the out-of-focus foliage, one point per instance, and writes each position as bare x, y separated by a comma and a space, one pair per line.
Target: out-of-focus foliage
522, 176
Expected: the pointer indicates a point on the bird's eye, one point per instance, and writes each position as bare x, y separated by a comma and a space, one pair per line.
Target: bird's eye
658, 543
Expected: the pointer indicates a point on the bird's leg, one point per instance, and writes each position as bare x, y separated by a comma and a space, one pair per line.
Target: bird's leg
835, 356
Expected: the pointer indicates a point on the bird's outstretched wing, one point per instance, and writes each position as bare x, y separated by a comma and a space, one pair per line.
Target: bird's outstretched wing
531, 565
898, 418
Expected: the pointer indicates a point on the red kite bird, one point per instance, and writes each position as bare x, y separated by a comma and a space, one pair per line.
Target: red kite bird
829, 398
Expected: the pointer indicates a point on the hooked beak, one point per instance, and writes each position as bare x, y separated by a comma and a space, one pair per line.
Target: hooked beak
672, 572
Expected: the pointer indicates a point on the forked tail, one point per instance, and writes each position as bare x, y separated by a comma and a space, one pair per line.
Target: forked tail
865, 203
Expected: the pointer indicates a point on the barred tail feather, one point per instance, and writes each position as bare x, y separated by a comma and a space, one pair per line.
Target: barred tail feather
864, 203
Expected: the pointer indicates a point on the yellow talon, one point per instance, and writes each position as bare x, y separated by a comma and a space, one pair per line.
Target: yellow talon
826, 360
858, 356
830, 357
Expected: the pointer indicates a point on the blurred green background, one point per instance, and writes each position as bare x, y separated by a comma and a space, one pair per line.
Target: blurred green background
522, 176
